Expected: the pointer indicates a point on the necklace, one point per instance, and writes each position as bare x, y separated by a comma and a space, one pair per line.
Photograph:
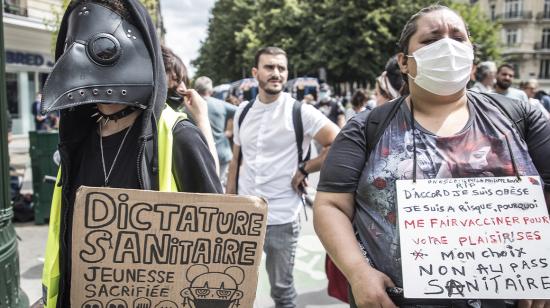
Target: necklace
105, 174
115, 116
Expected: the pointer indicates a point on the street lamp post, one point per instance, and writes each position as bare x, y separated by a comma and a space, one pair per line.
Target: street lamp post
10, 293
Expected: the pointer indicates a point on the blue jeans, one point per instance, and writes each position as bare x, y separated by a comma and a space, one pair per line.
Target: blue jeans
280, 249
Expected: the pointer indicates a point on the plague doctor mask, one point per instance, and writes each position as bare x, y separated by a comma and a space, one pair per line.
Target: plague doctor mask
105, 60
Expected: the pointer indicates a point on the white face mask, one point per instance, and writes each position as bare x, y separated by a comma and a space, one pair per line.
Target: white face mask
444, 67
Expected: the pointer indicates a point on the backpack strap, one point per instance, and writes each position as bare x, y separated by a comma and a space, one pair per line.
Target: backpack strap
299, 131
240, 158
377, 120
511, 108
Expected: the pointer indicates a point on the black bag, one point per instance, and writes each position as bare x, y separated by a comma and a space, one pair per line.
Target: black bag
23, 209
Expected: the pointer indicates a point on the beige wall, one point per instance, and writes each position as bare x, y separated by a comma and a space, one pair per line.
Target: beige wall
530, 26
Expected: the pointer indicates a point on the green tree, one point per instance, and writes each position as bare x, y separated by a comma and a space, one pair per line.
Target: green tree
278, 23
351, 39
221, 55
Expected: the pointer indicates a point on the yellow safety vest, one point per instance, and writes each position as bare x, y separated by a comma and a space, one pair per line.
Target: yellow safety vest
50, 274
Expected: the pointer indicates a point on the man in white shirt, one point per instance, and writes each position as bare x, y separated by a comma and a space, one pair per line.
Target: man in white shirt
269, 166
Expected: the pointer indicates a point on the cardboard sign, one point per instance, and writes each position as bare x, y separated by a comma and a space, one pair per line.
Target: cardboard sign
474, 238
146, 249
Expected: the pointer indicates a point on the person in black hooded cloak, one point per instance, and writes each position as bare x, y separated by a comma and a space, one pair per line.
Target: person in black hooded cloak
109, 85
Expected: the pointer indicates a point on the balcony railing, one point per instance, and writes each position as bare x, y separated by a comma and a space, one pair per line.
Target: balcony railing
515, 15
542, 46
15, 8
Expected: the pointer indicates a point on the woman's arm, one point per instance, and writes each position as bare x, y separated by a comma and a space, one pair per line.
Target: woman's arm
332, 214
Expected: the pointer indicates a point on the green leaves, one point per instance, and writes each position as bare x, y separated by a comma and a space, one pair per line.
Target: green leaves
351, 39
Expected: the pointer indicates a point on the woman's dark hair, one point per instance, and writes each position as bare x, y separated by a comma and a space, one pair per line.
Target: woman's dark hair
174, 66
393, 72
359, 98
410, 29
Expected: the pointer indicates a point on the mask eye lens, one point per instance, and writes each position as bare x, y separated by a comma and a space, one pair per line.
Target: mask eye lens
104, 49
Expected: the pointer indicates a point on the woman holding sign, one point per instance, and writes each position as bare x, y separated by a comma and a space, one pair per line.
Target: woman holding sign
409, 138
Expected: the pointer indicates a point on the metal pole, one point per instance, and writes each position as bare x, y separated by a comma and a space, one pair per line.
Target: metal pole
5, 207
10, 293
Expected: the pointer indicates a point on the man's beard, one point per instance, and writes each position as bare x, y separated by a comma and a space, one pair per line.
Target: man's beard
264, 86
503, 84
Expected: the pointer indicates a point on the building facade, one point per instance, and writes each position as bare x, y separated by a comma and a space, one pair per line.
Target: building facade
525, 36
29, 59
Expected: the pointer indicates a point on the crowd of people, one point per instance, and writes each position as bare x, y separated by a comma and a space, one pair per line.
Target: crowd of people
136, 120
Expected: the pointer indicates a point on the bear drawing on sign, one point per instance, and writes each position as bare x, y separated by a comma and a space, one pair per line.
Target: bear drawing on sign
213, 289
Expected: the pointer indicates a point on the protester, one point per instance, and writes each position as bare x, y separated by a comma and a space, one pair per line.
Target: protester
503, 86
485, 77
530, 89
309, 99
359, 175
544, 99
270, 167
131, 139
388, 83
371, 102
358, 104
330, 107
40, 121
220, 114
233, 100
185, 100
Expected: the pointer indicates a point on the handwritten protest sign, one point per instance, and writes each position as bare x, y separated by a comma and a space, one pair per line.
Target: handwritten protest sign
474, 238
145, 249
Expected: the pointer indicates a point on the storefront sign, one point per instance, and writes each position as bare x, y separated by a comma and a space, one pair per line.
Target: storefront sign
474, 238
27, 58
133, 248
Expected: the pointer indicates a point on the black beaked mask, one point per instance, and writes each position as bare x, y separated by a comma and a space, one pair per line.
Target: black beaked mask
105, 61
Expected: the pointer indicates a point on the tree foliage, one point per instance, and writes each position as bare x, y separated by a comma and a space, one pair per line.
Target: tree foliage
221, 54
351, 39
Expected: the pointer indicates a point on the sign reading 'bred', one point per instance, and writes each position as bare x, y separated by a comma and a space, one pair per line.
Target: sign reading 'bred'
145, 249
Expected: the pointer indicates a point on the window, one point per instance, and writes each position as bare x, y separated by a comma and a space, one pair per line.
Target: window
515, 65
17, 7
546, 12
12, 92
493, 12
545, 38
511, 37
544, 72
512, 8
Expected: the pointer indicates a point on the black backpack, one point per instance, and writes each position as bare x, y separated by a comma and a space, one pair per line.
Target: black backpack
298, 132
380, 117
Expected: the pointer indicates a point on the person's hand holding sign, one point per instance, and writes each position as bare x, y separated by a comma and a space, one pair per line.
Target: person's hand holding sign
369, 288
534, 303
